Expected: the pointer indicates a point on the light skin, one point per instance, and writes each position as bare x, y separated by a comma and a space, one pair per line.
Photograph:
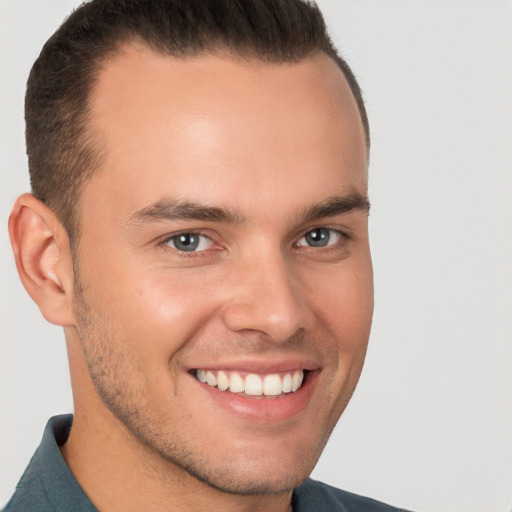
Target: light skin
253, 163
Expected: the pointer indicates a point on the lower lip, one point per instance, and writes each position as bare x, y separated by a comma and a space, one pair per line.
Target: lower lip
262, 409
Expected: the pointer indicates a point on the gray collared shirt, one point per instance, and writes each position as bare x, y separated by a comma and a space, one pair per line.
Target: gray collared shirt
49, 486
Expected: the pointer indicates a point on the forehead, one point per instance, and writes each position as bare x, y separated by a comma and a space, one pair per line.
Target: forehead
188, 125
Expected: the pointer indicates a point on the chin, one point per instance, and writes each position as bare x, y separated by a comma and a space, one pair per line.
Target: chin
247, 481
252, 472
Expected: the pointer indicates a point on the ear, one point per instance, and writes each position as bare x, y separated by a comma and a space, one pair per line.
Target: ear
43, 258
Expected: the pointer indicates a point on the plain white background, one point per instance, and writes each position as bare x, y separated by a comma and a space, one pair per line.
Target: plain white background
430, 426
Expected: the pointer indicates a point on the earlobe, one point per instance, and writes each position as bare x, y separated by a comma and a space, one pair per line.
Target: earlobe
43, 258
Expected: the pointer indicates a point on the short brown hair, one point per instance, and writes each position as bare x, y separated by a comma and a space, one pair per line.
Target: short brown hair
63, 154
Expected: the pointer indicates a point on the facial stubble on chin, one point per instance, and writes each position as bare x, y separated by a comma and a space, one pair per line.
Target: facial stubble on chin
119, 393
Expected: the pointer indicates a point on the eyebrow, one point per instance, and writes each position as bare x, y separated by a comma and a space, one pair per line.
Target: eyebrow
336, 205
171, 209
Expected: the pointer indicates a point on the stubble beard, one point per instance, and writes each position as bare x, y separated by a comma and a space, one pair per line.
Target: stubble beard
116, 385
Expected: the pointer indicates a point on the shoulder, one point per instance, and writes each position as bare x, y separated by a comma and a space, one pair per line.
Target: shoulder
47, 484
320, 497
29, 494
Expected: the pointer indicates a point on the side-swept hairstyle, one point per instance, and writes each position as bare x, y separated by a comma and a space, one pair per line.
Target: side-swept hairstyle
63, 152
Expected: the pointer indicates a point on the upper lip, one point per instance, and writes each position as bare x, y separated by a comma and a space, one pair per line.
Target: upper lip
261, 366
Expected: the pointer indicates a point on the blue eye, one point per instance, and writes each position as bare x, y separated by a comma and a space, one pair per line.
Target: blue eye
189, 242
320, 237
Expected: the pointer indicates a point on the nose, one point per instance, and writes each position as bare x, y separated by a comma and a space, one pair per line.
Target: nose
266, 297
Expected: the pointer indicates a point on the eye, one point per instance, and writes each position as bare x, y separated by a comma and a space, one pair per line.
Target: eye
320, 237
189, 242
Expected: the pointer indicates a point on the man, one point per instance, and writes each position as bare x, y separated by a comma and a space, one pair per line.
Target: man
198, 226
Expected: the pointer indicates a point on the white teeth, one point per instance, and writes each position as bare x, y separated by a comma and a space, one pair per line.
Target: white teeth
210, 378
236, 383
272, 385
222, 381
287, 383
297, 380
253, 384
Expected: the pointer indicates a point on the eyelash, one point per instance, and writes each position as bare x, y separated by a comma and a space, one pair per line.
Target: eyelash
342, 236
194, 253
170, 239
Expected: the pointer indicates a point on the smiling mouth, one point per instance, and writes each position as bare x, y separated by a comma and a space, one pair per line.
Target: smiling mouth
252, 384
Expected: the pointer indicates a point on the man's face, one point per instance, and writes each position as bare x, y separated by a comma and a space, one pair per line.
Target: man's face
224, 237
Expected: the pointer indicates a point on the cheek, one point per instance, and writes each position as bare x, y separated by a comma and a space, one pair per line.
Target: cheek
154, 312
343, 300
164, 315
346, 311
